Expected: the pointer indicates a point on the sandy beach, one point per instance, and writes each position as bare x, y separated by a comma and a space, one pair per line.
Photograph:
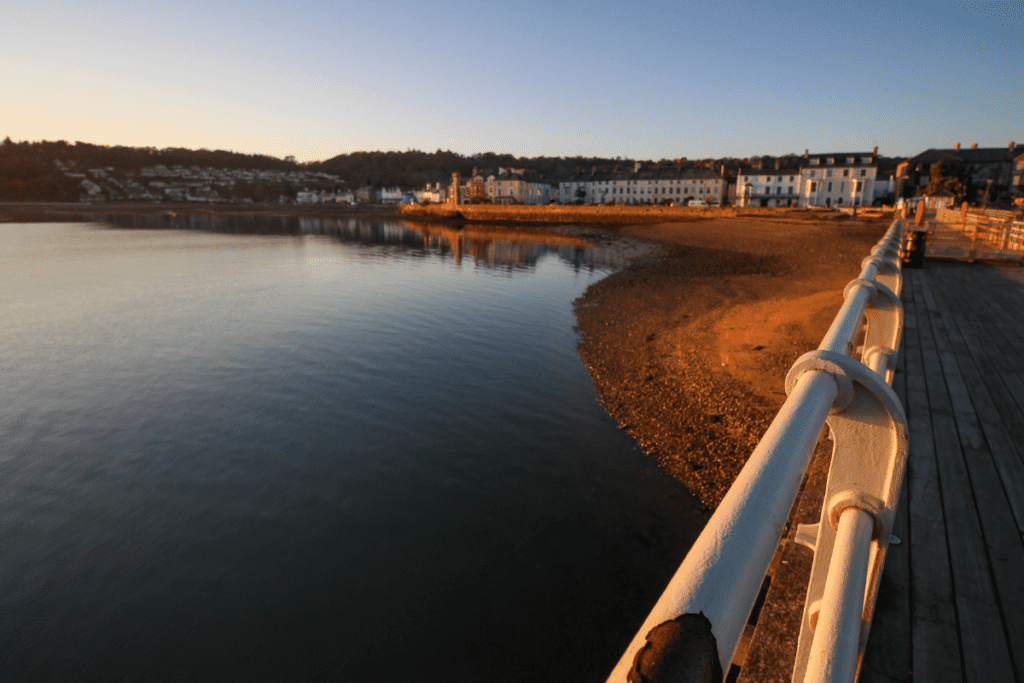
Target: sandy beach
689, 350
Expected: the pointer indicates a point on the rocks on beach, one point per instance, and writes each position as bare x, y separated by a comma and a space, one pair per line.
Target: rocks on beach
689, 346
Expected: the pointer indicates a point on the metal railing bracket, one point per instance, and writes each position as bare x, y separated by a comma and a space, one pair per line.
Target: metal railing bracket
831, 362
807, 535
858, 500
868, 462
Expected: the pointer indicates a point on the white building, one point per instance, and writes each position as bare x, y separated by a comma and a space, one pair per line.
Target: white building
433, 193
645, 186
768, 187
836, 180
390, 195
508, 186
572, 191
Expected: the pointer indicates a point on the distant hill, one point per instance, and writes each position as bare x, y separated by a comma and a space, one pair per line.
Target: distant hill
414, 169
28, 171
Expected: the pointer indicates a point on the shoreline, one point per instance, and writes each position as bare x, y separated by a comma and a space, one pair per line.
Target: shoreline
620, 215
689, 346
11, 212
689, 355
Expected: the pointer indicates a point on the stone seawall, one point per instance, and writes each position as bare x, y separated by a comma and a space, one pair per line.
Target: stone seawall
611, 215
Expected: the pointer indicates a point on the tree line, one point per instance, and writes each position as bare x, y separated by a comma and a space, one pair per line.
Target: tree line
28, 171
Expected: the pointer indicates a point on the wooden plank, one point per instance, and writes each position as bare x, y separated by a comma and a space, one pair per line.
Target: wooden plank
935, 654
985, 653
991, 400
993, 316
1001, 292
991, 493
1002, 347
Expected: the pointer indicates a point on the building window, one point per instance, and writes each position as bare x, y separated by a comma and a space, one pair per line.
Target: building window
828, 173
863, 172
791, 189
846, 173
859, 185
842, 187
814, 187
790, 180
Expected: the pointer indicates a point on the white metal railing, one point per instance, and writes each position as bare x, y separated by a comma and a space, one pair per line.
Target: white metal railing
695, 626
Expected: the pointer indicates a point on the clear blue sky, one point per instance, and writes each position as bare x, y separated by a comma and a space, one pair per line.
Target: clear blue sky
632, 79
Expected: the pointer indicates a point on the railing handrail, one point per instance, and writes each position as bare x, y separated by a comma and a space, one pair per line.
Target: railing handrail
697, 622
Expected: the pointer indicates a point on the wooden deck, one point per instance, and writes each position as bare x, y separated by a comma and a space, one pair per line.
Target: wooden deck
951, 606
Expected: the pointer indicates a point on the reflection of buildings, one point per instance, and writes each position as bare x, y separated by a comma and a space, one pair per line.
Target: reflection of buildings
487, 245
512, 248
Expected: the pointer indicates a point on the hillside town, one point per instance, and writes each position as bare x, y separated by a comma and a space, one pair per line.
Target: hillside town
988, 176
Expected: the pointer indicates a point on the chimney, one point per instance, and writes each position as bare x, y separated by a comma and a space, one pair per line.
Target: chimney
723, 170
956, 146
874, 152
776, 164
806, 153
636, 166
1012, 146
974, 145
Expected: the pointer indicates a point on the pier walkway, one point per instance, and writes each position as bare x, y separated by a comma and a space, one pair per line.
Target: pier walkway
951, 606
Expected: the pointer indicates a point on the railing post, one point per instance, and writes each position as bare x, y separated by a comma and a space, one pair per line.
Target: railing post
833, 656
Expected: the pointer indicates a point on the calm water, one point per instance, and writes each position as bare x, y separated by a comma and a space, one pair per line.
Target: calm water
277, 449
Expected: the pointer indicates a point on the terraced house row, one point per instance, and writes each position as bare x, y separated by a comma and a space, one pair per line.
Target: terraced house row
822, 180
645, 186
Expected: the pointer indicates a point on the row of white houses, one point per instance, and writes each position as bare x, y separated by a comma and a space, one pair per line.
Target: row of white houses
819, 180
653, 186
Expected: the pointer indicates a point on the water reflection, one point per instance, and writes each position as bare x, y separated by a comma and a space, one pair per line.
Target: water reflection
284, 458
507, 247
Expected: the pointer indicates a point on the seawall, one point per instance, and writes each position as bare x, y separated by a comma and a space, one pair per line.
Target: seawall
599, 215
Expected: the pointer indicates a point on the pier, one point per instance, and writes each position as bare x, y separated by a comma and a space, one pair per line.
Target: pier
951, 607
948, 420
951, 601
